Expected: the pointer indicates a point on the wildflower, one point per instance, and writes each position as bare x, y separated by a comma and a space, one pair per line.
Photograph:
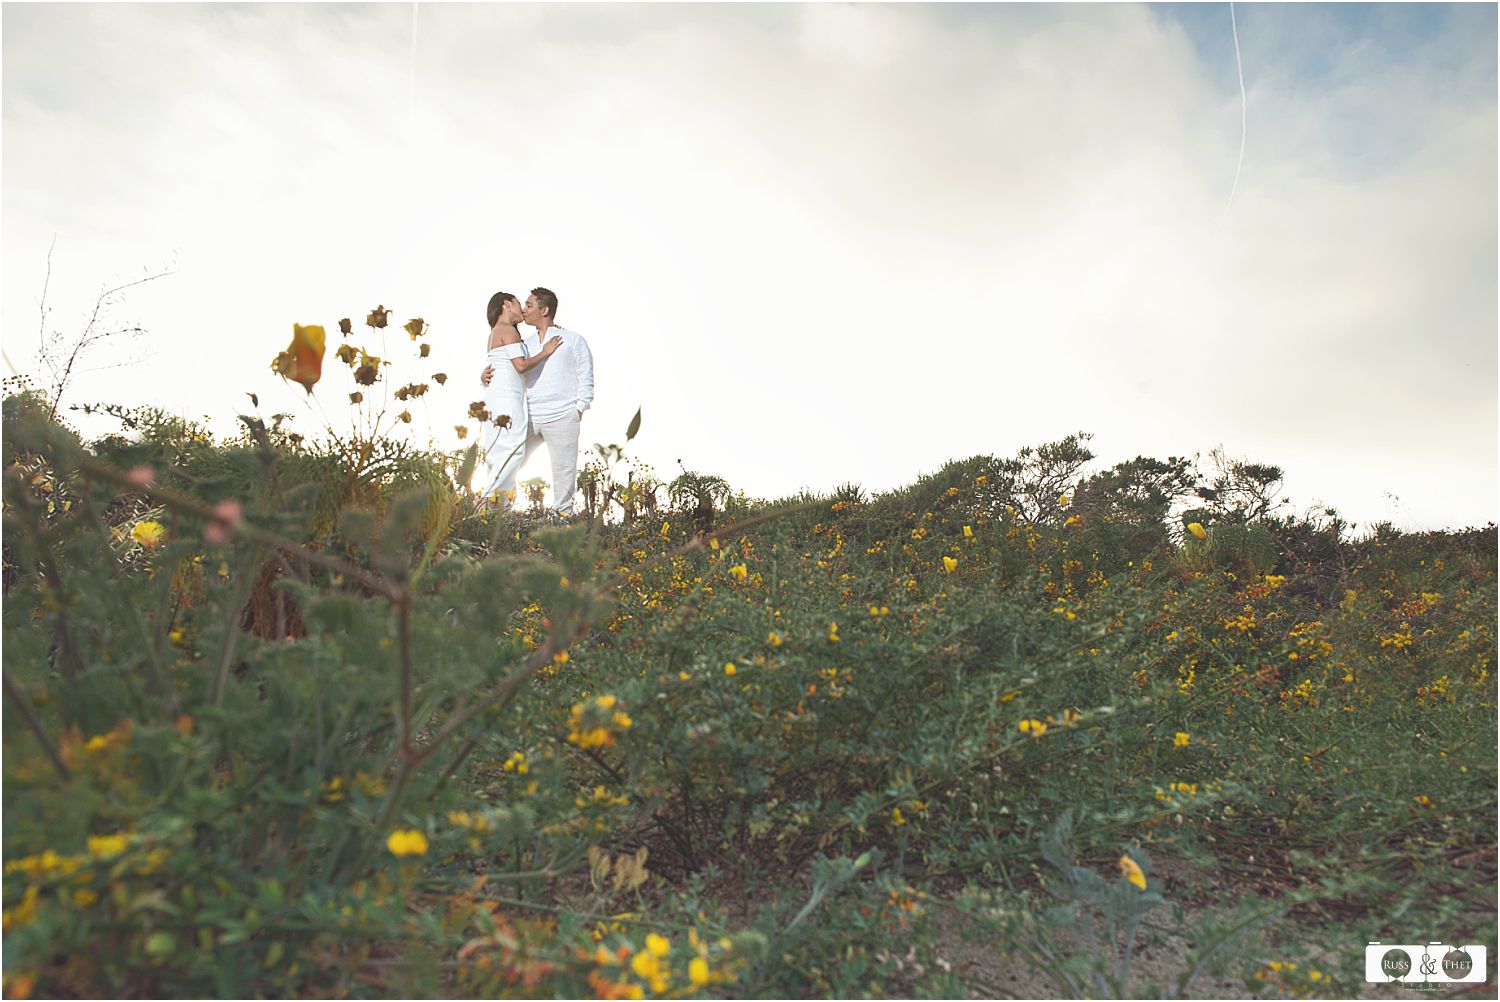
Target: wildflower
1423, 799
1181, 740
1063, 500
659, 946
738, 572
698, 972
1033, 727
406, 842
647, 967
148, 534
20, 915
517, 764
105, 846
302, 362
950, 564
560, 658
1072, 520
604, 989
833, 633
897, 818
968, 532
666, 528
1131, 871
729, 668
1197, 530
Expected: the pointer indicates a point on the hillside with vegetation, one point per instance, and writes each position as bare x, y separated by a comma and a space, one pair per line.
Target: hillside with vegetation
287, 717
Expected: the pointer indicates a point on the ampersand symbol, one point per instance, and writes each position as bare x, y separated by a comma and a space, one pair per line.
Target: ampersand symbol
1429, 966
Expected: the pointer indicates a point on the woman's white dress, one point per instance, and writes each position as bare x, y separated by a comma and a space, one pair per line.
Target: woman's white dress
505, 448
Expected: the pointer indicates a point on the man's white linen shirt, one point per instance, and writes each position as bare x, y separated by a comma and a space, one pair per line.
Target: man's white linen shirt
565, 382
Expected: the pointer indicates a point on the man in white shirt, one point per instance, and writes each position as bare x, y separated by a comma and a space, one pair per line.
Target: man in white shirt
557, 393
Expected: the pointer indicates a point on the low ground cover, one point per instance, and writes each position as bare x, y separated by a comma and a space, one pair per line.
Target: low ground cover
289, 719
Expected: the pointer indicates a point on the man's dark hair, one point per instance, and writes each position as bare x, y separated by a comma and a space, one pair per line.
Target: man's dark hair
497, 303
547, 300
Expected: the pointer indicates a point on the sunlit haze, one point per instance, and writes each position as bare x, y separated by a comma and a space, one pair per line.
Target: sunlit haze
816, 244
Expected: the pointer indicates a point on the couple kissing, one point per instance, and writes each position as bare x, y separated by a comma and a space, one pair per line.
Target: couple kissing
543, 381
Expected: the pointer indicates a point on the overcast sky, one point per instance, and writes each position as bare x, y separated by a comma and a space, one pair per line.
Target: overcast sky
818, 244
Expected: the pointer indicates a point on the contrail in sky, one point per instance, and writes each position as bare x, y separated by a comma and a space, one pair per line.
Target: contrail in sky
1240, 69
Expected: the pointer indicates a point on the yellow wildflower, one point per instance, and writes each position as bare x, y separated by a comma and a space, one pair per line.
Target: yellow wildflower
647, 967
1197, 530
729, 668
1033, 727
406, 842
658, 945
950, 564
148, 534
738, 572
1181, 740
1131, 871
968, 532
107, 845
698, 972
773, 638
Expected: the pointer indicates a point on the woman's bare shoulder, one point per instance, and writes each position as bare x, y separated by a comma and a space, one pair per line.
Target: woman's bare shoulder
502, 336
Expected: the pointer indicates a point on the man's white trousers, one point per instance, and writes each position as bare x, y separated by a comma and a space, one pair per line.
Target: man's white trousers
561, 438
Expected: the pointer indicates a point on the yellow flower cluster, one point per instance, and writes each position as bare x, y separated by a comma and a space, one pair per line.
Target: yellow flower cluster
45, 864
601, 797
469, 822
1400, 639
595, 723
1035, 728
406, 842
1131, 871
1244, 623
651, 964
1181, 789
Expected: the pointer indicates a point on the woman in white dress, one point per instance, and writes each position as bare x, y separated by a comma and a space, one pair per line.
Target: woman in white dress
505, 443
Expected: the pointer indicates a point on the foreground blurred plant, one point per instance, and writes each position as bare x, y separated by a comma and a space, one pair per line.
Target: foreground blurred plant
293, 776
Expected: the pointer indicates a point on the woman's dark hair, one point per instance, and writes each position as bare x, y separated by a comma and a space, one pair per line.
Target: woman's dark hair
497, 303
